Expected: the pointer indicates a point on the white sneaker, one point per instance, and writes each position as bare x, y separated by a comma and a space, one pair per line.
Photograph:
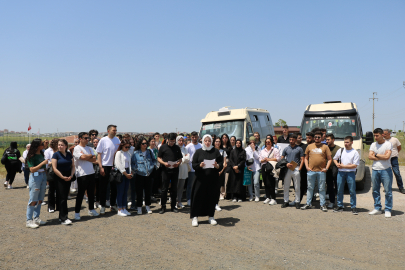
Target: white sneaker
194, 223
38, 221
66, 222
251, 198
221, 198
121, 213
292, 203
189, 202
387, 214
10, 187
5, 185
139, 210
93, 213
97, 205
234, 200
330, 205
239, 200
170, 199
126, 212
317, 195
266, 201
77, 216
102, 210
31, 224
148, 209
272, 202
375, 212
143, 203
51, 211
212, 221
327, 197
107, 203
257, 199
43, 203
180, 205
129, 203
218, 208
28, 187
72, 190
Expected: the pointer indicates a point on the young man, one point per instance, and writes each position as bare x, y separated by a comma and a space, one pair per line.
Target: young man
331, 174
93, 135
191, 148
285, 138
380, 153
317, 160
106, 149
157, 139
346, 160
84, 157
396, 147
303, 171
170, 152
292, 153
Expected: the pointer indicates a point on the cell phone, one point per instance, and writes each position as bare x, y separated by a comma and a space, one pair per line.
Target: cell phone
36, 173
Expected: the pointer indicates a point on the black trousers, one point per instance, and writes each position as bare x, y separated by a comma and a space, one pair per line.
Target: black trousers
143, 183
167, 178
62, 191
102, 187
157, 177
269, 185
331, 183
304, 182
10, 175
84, 183
52, 205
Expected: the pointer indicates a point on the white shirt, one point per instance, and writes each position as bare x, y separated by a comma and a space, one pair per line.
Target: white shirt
83, 167
123, 161
191, 148
256, 158
380, 149
348, 157
107, 148
395, 143
48, 155
24, 155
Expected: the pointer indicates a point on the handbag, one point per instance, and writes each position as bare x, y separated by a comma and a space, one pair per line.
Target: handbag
268, 167
115, 175
50, 174
247, 177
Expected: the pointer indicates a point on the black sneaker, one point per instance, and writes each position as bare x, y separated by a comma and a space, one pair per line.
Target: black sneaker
324, 208
162, 210
307, 206
284, 205
338, 209
401, 190
297, 205
174, 210
354, 211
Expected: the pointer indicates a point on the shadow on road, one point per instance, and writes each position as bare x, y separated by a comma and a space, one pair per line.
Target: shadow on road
227, 222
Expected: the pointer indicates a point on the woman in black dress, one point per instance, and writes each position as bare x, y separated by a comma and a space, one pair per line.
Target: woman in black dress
236, 163
205, 190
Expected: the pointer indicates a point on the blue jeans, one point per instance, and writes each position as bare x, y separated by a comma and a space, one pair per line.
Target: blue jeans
255, 184
395, 169
314, 177
191, 177
383, 177
350, 178
37, 187
122, 191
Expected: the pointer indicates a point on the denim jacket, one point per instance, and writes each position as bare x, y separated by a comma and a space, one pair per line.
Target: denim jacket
143, 165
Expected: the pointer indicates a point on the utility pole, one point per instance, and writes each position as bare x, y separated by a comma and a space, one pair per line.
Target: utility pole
373, 107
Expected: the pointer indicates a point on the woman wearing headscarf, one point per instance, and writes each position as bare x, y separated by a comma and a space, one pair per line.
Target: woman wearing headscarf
183, 170
205, 191
11, 159
237, 161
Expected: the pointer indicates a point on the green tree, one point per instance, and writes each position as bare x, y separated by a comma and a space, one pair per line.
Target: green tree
280, 123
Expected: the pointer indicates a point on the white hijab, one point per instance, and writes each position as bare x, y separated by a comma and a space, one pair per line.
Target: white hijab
177, 141
205, 148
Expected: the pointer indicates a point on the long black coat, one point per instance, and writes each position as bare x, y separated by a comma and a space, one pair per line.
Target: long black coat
206, 186
235, 180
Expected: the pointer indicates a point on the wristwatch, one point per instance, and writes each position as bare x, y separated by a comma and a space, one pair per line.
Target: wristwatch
375, 155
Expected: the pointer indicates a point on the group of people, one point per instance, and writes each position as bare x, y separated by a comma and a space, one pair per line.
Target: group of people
105, 170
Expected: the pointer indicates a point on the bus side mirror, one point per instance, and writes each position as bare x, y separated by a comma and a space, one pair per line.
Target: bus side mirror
369, 139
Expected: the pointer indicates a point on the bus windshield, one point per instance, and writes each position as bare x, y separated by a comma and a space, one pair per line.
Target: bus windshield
232, 128
339, 126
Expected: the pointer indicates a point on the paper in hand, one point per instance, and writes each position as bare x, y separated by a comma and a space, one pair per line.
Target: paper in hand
209, 163
171, 163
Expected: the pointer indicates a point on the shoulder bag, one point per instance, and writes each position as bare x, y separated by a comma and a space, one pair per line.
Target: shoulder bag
115, 174
268, 167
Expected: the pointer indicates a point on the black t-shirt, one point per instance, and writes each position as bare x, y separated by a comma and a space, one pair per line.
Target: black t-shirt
303, 146
281, 139
167, 153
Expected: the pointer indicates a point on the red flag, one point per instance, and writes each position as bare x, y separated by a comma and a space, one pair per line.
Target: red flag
29, 127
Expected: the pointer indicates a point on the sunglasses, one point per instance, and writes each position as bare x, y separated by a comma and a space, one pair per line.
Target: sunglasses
127, 147
317, 137
85, 138
144, 143
94, 134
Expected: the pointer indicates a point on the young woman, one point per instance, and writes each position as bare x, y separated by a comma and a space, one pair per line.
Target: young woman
37, 183
64, 169
227, 147
218, 144
123, 164
272, 155
205, 191
143, 162
237, 161
52, 205
183, 171
12, 163
233, 142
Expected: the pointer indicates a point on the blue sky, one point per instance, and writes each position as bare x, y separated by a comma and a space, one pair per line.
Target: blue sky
162, 65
